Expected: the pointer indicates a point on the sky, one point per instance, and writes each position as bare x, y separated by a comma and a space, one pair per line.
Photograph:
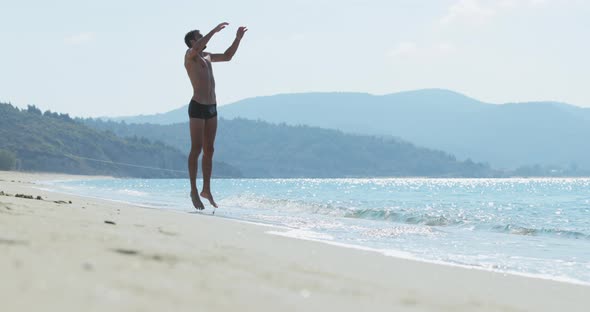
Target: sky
116, 58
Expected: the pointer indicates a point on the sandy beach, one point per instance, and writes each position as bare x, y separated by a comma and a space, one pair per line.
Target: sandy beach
94, 255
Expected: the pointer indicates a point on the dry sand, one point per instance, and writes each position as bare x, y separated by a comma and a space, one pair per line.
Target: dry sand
64, 257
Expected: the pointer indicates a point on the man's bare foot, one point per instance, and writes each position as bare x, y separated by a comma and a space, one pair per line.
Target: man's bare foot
197, 203
209, 197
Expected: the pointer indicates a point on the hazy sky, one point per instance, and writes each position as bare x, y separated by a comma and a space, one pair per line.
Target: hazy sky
94, 58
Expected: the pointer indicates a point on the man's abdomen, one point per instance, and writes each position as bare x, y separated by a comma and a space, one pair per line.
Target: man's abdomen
205, 93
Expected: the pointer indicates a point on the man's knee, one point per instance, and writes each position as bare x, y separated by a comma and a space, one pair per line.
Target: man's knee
195, 151
208, 151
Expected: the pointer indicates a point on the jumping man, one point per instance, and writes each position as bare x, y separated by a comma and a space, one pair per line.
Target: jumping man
202, 109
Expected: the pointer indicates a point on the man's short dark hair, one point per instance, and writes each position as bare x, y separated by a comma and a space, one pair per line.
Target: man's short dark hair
190, 36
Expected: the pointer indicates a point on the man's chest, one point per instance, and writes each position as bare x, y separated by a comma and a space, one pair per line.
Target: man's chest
203, 63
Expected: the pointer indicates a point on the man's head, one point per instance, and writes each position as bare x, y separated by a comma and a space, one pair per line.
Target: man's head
191, 37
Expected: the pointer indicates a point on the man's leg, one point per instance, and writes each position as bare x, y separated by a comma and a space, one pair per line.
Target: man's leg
196, 130
208, 149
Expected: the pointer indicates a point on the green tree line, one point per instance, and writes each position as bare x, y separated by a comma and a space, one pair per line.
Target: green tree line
36, 141
261, 149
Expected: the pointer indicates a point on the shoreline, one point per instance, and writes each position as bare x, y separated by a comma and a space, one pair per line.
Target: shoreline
225, 258
398, 254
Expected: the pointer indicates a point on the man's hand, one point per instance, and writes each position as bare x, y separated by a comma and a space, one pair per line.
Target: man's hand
229, 53
219, 27
241, 31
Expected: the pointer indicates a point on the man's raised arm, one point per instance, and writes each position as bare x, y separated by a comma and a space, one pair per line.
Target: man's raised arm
229, 53
200, 43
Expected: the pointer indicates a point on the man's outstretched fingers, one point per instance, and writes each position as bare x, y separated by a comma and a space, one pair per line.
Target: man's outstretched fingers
221, 26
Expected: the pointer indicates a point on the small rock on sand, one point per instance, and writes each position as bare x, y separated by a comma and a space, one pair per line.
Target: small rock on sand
24, 196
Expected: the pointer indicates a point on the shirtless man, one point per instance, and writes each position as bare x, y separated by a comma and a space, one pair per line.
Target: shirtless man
202, 109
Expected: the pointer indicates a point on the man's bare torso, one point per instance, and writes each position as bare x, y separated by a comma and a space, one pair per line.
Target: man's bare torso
200, 72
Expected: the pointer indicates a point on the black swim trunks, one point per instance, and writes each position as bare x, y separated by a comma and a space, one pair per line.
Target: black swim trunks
201, 111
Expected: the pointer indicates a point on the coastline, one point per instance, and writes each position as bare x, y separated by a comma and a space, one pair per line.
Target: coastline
61, 256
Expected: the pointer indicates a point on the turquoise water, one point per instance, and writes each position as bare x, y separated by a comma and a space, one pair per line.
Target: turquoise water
537, 227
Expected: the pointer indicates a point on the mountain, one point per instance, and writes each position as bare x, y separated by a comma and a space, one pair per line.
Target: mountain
57, 143
171, 117
506, 136
263, 150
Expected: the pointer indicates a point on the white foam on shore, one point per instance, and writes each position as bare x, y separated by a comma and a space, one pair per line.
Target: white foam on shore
298, 234
132, 192
62, 191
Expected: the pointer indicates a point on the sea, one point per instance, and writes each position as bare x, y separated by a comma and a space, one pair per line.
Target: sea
524, 226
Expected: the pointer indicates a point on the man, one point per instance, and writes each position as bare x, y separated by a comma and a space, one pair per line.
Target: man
202, 109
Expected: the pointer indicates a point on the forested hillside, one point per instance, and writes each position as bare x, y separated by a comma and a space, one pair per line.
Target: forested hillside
261, 149
52, 142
